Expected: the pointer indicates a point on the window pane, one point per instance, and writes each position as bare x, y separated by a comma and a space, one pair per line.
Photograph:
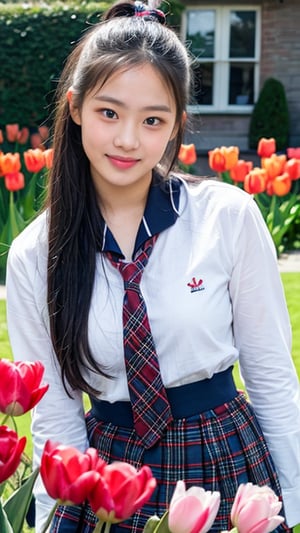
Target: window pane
201, 32
241, 83
203, 84
242, 34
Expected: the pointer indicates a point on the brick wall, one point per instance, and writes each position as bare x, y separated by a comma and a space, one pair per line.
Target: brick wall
280, 59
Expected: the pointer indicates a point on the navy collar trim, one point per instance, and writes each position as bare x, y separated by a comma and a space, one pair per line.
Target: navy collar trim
161, 212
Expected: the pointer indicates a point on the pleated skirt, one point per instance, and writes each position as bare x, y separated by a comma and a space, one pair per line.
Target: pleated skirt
217, 449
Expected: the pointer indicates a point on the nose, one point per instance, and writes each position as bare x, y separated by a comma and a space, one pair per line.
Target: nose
127, 136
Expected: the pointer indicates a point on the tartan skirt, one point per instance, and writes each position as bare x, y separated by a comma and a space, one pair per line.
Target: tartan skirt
218, 448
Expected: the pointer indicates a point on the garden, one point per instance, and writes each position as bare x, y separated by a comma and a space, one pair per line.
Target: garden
26, 158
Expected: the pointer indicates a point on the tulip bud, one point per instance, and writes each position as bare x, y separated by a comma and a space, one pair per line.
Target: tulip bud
14, 181
255, 509
192, 510
187, 154
224, 158
255, 181
240, 171
21, 387
266, 147
121, 491
11, 449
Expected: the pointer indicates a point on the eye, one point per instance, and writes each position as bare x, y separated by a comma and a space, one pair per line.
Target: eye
152, 121
109, 113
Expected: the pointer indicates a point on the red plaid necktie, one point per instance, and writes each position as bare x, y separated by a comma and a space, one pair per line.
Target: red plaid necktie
150, 406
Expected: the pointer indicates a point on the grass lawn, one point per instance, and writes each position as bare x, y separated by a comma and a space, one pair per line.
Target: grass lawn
291, 282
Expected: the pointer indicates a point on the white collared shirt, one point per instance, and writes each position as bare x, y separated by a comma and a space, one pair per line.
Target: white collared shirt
214, 296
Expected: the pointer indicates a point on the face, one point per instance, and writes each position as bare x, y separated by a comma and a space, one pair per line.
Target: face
126, 126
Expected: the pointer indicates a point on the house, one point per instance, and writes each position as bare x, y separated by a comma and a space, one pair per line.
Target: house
236, 46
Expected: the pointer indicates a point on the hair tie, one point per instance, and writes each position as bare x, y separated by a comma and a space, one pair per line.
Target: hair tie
142, 10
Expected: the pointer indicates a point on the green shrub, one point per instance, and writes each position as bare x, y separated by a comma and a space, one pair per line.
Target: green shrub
270, 116
34, 43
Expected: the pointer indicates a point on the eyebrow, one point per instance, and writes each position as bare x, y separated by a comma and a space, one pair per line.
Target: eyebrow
115, 101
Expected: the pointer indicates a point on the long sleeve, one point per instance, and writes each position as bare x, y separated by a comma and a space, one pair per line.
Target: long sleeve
263, 337
56, 417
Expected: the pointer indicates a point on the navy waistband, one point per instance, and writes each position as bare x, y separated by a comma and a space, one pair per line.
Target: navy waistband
185, 400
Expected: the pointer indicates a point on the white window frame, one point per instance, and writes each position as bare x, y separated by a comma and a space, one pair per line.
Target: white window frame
222, 61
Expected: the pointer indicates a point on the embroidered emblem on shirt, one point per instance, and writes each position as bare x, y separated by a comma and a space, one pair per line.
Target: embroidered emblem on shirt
196, 285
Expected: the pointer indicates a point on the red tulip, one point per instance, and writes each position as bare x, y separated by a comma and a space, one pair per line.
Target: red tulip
12, 132
224, 158
11, 449
121, 491
292, 166
240, 171
9, 163
34, 160
193, 510
280, 186
187, 154
69, 475
14, 181
1, 137
255, 509
266, 147
255, 181
293, 153
37, 139
21, 386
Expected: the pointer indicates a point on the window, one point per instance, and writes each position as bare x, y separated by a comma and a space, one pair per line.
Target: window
225, 44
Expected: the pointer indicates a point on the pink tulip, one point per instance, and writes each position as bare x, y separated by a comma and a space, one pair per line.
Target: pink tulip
255, 509
68, 474
193, 510
121, 491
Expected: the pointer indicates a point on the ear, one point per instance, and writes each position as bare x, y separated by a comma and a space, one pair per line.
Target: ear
74, 111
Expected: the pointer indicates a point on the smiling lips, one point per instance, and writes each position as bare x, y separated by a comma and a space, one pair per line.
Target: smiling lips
122, 162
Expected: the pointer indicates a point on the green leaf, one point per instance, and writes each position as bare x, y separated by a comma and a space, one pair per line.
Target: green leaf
163, 526
151, 524
17, 505
5, 526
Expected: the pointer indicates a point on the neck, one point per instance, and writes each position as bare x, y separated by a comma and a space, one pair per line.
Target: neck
123, 213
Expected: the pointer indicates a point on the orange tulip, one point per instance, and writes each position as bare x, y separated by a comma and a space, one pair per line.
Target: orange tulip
1, 137
9, 163
187, 154
266, 147
279, 186
48, 156
240, 171
292, 166
274, 165
224, 158
34, 159
255, 181
14, 181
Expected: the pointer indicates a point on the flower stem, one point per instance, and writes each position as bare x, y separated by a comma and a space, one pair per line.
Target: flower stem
99, 526
49, 520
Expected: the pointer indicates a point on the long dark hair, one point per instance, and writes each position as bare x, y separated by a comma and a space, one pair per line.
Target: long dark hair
120, 41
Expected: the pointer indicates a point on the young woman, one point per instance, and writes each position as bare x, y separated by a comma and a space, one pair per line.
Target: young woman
211, 285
